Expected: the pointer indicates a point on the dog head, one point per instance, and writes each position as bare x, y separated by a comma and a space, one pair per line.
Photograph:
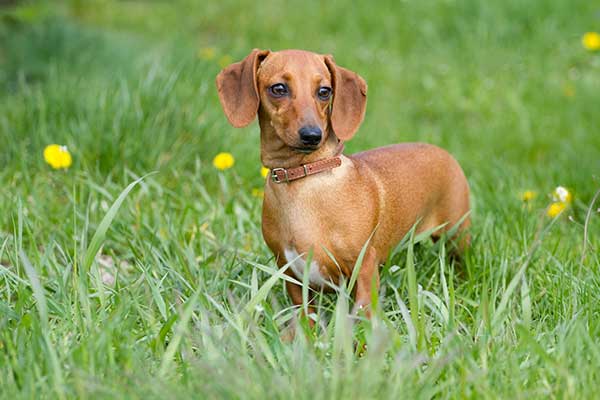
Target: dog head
301, 96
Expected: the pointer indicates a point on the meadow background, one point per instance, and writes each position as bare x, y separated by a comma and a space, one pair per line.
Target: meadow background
168, 290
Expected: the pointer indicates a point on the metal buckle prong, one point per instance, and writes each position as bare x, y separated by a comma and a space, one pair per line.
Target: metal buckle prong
274, 176
305, 170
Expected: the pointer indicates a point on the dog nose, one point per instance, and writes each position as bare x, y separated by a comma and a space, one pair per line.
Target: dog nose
310, 135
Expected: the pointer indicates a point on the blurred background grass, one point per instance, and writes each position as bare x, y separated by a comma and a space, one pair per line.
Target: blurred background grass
470, 76
506, 87
128, 86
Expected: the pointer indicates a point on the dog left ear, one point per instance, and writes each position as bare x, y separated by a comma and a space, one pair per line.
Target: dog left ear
349, 100
238, 91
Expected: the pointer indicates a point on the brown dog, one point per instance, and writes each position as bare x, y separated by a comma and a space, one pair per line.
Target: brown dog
307, 106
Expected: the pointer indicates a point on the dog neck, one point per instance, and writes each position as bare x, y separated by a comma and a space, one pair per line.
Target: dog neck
274, 153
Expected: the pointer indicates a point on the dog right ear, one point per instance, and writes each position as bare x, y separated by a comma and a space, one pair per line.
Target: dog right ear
238, 90
349, 100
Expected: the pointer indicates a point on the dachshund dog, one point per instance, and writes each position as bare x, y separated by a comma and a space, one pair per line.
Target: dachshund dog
321, 201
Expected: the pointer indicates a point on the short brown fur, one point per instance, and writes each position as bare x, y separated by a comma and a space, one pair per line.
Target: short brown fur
386, 190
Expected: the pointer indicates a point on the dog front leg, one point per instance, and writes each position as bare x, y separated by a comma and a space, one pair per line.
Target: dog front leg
295, 293
368, 278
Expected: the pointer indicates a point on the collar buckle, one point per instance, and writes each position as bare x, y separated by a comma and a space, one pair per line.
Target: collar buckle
275, 177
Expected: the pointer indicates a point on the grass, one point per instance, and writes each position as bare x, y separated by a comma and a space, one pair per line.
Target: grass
183, 298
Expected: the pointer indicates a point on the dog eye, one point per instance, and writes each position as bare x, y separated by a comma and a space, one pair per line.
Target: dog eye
279, 90
324, 93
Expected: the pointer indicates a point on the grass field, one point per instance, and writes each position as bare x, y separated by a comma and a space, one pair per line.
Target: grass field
166, 289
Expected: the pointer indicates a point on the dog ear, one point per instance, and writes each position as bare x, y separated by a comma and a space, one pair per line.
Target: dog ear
349, 100
238, 91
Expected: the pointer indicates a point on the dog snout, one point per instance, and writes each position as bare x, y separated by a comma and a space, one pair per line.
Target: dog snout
310, 135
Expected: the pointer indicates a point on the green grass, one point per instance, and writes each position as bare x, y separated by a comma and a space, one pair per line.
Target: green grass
184, 299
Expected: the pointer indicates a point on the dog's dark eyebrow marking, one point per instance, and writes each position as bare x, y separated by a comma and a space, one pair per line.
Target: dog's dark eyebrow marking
318, 78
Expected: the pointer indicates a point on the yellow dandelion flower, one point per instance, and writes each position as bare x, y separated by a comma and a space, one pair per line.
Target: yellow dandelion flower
556, 209
568, 90
591, 41
207, 53
256, 192
225, 60
561, 194
223, 161
528, 195
58, 156
264, 171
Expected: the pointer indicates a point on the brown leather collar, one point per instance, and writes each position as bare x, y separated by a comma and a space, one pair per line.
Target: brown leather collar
281, 175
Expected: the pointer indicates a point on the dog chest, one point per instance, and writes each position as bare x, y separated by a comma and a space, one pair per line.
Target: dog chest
328, 223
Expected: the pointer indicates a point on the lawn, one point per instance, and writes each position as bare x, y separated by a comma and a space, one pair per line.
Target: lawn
141, 272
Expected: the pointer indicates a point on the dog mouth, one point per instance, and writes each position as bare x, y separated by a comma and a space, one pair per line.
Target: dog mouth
305, 149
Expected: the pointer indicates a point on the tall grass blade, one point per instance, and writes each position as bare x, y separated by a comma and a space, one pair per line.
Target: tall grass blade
100, 233
180, 329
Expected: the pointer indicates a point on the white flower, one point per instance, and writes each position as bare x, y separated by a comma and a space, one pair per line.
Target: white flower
561, 194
